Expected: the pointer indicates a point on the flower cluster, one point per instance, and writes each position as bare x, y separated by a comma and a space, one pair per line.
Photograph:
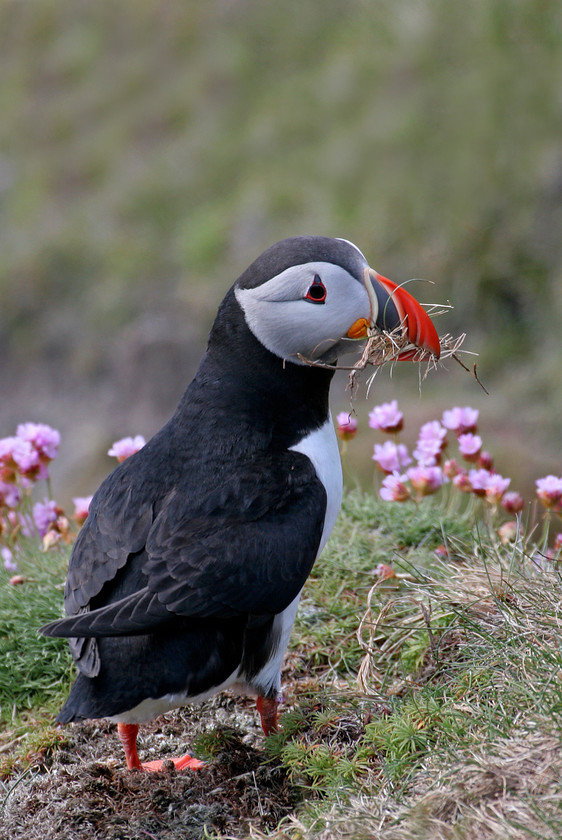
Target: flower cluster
412, 476
473, 474
24, 462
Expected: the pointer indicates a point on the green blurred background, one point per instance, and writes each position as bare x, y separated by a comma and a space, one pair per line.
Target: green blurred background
150, 150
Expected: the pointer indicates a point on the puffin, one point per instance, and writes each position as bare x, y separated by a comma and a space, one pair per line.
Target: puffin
185, 578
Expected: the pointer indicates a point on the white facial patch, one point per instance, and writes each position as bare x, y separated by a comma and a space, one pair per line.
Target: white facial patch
281, 318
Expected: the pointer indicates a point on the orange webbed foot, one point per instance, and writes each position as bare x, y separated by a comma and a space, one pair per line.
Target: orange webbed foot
183, 762
128, 736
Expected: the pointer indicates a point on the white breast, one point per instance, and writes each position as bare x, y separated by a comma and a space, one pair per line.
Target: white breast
322, 448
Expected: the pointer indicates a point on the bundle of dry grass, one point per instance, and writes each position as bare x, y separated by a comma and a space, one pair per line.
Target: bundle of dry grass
384, 348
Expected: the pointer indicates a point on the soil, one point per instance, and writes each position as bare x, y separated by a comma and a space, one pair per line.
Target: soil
83, 790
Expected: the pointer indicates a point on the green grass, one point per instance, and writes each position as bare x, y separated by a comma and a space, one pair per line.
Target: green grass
35, 672
428, 705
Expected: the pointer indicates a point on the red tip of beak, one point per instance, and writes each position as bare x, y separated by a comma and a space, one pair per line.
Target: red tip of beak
415, 319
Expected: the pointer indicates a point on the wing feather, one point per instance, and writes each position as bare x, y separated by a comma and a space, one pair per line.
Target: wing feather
246, 546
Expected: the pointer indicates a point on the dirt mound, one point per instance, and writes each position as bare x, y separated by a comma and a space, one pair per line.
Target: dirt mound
84, 790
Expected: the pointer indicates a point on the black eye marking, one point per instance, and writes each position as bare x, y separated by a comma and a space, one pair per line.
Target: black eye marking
317, 292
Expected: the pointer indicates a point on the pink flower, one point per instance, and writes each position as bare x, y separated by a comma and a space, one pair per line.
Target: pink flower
558, 542
485, 461
7, 462
43, 438
9, 563
386, 417
391, 456
461, 420
512, 502
451, 468
27, 460
81, 508
508, 532
346, 425
479, 481
18, 455
470, 446
549, 490
462, 482
496, 487
432, 439
10, 494
126, 447
44, 514
425, 480
394, 488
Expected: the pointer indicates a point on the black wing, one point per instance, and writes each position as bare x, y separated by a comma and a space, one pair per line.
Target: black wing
246, 545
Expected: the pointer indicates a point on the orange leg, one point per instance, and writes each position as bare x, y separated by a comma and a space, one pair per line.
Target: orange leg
128, 736
269, 714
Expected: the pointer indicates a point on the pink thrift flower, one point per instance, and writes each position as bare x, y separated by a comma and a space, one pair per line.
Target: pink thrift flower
432, 439
44, 514
394, 488
10, 494
558, 542
451, 468
7, 463
391, 456
485, 461
425, 480
9, 563
470, 446
126, 447
512, 502
549, 490
428, 454
27, 459
18, 456
496, 487
462, 482
508, 532
386, 417
43, 438
479, 481
81, 508
346, 425
461, 420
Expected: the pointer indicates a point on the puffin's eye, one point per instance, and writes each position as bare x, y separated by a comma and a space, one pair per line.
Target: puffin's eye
317, 292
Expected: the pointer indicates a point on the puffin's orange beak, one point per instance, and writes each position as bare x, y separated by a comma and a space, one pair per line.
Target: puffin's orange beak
397, 307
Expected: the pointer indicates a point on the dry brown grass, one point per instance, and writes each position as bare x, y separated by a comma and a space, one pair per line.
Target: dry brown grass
502, 792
